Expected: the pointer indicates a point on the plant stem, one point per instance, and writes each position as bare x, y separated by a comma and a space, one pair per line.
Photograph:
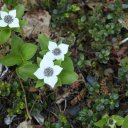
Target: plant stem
25, 100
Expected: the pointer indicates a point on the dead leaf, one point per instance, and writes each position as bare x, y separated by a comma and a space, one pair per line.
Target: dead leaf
93, 4
104, 88
121, 52
110, 1
79, 97
124, 22
33, 89
25, 124
29, 3
38, 22
75, 85
61, 98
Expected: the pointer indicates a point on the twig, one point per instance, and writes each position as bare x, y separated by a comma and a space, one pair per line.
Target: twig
65, 106
25, 100
83, 80
33, 105
54, 114
123, 41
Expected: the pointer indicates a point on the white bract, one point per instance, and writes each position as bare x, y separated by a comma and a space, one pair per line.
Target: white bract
57, 52
9, 19
48, 71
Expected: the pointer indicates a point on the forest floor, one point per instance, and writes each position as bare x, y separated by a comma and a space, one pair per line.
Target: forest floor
97, 35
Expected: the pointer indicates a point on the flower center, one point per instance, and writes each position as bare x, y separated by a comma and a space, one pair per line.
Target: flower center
56, 51
48, 71
111, 121
8, 19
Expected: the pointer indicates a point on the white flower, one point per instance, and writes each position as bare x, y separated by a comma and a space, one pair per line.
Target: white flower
48, 71
57, 52
9, 19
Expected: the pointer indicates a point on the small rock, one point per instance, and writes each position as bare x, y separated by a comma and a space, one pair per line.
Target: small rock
73, 111
108, 71
91, 80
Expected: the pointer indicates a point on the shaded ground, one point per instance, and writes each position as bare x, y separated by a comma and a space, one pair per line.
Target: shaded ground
94, 30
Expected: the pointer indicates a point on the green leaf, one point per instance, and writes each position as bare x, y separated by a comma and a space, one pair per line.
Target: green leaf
43, 40
23, 22
39, 83
15, 57
19, 10
59, 82
4, 35
25, 50
43, 52
125, 123
16, 45
74, 8
119, 120
58, 62
26, 70
10, 60
68, 77
20, 52
101, 123
18, 30
28, 51
38, 61
67, 64
10, 2
124, 62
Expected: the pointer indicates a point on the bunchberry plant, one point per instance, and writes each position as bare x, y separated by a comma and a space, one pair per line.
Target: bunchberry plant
56, 67
9, 19
48, 71
113, 121
53, 67
57, 52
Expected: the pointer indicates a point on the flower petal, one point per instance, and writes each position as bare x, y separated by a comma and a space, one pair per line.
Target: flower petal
49, 56
52, 45
60, 57
51, 81
15, 23
64, 48
57, 70
3, 24
45, 62
3, 14
39, 73
12, 13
